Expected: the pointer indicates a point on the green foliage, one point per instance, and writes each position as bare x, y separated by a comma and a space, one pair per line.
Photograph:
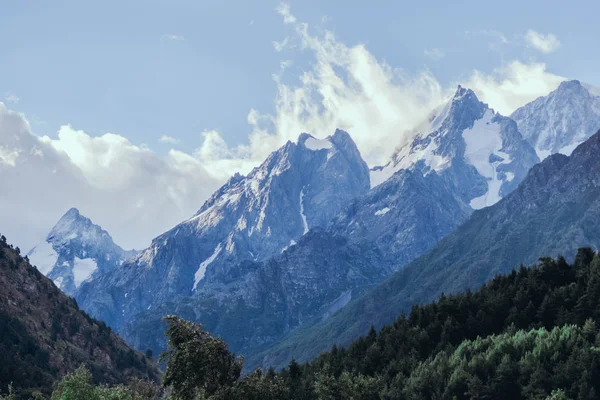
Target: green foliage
11, 393
197, 363
78, 386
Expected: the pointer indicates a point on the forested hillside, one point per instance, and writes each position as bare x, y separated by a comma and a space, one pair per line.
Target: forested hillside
44, 334
524, 335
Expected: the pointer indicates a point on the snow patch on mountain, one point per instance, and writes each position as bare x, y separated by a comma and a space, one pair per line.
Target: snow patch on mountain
484, 143
383, 211
83, 269
302, 215
199, 275
318, 144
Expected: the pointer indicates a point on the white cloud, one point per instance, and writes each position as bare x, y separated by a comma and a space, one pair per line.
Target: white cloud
11, 98
129, 190
435, 53
174, 37
168, 139
544, 43
513, 85
284, 10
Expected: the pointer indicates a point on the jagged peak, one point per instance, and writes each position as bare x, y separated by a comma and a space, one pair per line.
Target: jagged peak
572, 87
464, 94
73, 224
572, 84
72, 213
303, 137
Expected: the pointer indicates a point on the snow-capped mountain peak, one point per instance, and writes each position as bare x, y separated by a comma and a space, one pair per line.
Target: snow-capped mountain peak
560, 121
74, 250
480, 152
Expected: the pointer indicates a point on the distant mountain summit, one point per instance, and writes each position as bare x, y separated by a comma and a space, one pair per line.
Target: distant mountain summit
560, 121
75, 250
300, 186
479, 153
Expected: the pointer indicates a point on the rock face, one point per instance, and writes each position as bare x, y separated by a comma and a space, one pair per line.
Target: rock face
45, 335
403, 217
76, 250
255, 303
557, 123
555, 210
298, 187
479, 153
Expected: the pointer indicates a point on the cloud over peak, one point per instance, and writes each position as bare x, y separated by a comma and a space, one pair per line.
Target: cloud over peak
541, 42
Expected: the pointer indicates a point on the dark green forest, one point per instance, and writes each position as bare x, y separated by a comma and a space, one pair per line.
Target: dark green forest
532, 334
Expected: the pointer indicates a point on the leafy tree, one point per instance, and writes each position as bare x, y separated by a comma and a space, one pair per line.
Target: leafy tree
197, 363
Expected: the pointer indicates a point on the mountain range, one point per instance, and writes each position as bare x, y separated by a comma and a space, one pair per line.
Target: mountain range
293, 249
553, 212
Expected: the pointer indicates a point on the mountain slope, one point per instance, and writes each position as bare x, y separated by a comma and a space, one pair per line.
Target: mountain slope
76, 250
479, 153
43, 333
403, 217
555, 210
560, 121
300, 186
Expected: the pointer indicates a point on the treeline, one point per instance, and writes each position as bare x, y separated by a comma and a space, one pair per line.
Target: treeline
532, 334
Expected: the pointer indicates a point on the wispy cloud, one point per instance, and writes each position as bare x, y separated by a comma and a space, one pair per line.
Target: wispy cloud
174, 37
435, 53
280, 46
168, 139
11, 98
544, 43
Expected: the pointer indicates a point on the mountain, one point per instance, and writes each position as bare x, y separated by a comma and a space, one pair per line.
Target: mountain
478, 152
76, 250
44, 334
560, 121
555, 210
259, 302
301, 186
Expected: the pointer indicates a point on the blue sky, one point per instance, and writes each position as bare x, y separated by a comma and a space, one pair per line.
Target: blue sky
87, 90
150, 68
